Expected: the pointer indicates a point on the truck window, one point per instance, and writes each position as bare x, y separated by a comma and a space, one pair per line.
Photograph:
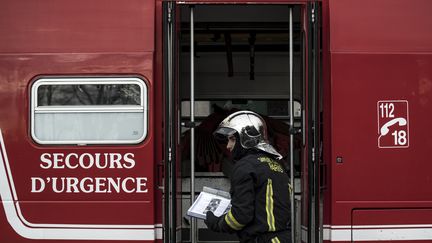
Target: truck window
89, 110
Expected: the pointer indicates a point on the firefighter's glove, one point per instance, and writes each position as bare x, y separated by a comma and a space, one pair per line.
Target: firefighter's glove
212, 221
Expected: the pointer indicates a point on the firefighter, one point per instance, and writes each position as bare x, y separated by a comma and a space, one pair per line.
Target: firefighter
260, 189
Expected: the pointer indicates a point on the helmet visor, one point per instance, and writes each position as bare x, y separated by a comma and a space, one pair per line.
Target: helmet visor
222, 133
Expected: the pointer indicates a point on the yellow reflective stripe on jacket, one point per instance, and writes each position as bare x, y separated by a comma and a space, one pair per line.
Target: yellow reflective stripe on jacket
232, 222
275, 240
269, 206
290, 189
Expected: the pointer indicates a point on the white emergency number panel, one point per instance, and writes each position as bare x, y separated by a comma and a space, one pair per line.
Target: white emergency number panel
393, 124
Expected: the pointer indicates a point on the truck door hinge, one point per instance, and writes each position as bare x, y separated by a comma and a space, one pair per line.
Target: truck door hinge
169, 16
313, 154
313, 16
169, 155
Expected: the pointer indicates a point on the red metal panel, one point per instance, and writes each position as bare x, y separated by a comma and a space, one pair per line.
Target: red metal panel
389, 225
380, 50
370, 175
380, 26
62, 38
24, 155
401, 216
65, 26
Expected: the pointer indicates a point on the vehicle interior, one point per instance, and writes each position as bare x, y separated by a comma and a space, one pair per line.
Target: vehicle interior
240, 60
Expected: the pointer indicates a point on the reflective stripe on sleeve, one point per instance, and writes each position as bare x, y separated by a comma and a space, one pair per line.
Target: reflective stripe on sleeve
275, 240
290, 189
232, 222
269, 206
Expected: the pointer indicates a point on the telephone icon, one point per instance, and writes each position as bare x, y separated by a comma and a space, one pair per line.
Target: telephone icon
385, 128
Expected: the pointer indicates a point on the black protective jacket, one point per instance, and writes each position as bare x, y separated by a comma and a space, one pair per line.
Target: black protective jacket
260, 198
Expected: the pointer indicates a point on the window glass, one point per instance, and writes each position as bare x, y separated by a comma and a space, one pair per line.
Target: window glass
89, 111
89, 94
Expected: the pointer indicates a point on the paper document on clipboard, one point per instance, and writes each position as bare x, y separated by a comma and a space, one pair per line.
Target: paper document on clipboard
210, 199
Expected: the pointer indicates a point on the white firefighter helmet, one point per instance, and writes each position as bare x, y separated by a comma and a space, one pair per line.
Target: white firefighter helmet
251, 128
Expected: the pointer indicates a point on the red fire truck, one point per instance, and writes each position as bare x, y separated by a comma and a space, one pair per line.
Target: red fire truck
107, 110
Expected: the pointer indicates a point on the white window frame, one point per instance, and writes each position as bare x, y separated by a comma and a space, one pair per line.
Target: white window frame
143, 107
